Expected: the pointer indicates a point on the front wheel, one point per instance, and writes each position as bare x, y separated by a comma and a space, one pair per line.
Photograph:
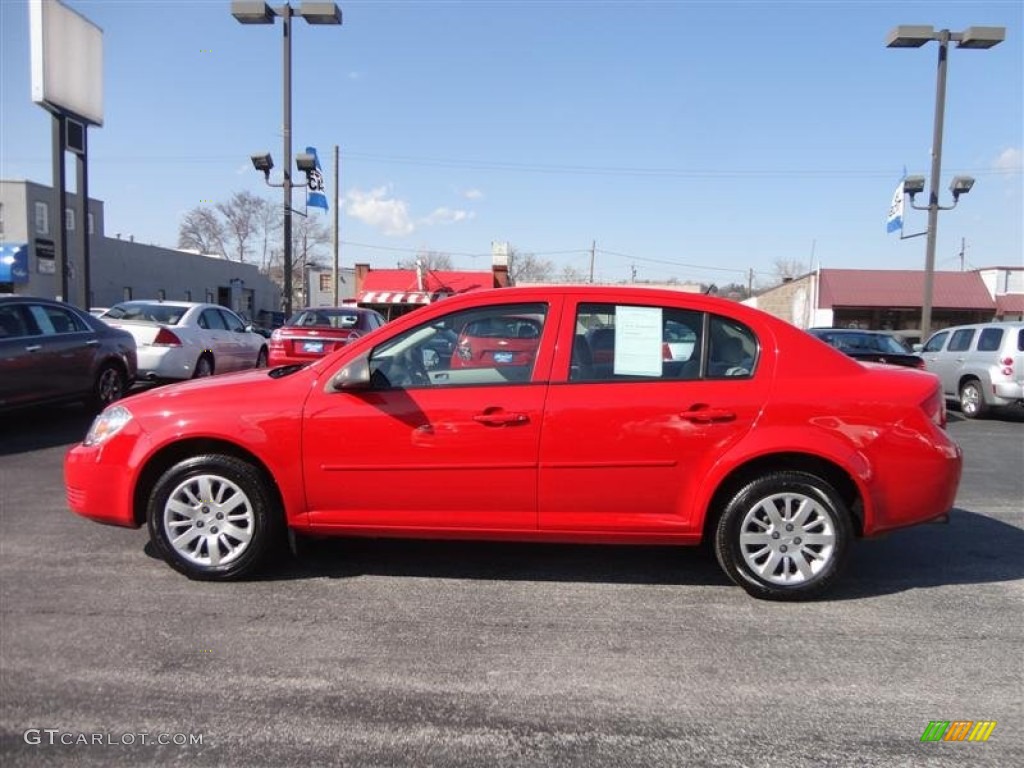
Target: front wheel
972, 400
213, 518
785, 536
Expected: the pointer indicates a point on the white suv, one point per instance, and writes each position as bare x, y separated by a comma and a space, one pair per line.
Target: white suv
981, 366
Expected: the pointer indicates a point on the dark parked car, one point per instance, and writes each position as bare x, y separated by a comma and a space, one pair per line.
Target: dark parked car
51, 351
870, 346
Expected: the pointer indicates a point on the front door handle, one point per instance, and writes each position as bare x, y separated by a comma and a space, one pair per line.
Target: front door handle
500, 418
702, 414
33, 347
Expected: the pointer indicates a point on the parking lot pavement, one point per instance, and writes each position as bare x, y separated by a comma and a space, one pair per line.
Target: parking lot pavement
465, 654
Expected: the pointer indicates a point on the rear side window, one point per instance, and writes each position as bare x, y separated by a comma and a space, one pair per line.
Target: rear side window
625, 343
990, 339
960, 341
1020, 340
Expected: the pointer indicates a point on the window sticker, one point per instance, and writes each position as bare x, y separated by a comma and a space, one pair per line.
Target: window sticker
637, 341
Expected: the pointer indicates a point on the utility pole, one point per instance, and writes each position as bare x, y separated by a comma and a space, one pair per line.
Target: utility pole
750, 282
593, 248
963, 247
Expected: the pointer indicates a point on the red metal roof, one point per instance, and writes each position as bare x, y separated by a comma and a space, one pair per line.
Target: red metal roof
901, 288
1012, 303
404, 281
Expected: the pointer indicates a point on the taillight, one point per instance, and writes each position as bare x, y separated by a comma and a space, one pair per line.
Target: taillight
666, 352
275, 335
165, 338
464, 350
1007, 363
919, 363
935, 408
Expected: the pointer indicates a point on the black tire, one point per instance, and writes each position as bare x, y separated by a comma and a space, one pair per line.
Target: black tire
111, 385
233, 532
261, 358
797, 531
972, 400
204, 367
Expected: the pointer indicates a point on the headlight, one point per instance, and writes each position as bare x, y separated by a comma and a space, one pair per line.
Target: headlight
107, 424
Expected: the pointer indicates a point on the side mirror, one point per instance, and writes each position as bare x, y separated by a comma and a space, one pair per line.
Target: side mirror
354, 376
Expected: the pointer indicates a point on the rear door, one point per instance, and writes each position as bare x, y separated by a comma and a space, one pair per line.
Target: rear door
24, 376
215, 337
66, 347
630, 428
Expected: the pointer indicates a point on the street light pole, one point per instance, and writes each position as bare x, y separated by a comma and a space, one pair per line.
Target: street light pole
933, 192
285, 12
915, 37
259, 12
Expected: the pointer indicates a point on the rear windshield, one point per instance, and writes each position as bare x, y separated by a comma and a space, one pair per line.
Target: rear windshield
324, 319
147, 313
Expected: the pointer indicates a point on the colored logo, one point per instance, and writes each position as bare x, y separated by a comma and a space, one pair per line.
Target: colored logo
958, 730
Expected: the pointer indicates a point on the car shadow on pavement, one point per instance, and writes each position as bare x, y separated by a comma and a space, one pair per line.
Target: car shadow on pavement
34, 429
972, 549
499, 561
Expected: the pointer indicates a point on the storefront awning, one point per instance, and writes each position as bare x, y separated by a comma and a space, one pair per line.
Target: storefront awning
399, 297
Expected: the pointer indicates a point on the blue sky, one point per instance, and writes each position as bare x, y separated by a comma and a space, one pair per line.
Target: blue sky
694, 140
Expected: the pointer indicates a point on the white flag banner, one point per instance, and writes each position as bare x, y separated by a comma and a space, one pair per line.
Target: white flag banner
895, 220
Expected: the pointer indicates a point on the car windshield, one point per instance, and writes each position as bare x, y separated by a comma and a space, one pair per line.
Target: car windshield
145, 312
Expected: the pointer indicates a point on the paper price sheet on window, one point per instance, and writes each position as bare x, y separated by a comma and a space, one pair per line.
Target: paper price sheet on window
638, 341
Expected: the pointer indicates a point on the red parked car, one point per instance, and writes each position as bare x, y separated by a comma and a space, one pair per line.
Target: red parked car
775, 447
311, 333
497, 341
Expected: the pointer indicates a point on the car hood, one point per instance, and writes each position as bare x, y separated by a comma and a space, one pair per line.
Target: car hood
223, 388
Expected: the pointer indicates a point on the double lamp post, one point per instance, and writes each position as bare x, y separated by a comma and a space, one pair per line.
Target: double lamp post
915, 37
259, 12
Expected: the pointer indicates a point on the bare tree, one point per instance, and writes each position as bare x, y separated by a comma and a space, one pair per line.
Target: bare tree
528, 268
788, 268
431, 260
571, 274
202, 230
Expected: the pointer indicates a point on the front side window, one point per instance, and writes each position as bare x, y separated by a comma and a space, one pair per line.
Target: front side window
232, 321
935, 342
961, 340
490, 345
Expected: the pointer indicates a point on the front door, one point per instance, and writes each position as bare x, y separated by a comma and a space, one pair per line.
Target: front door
431, 445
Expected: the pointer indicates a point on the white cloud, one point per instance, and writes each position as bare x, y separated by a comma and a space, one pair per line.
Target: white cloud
381, 211
448, 216
1009, 161
473, 194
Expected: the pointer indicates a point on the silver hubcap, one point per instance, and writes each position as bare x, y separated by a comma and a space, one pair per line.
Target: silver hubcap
969, 399
787, 538
209, 520
109, 386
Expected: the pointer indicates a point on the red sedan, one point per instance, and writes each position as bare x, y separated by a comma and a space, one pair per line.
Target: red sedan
311, 333
775, 447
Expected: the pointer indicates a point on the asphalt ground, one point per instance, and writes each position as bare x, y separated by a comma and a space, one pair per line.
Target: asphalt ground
391, 653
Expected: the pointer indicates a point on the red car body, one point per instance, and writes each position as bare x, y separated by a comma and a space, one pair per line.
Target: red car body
547, 456
311, 333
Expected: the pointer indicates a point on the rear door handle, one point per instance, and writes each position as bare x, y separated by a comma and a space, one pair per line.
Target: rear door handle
92, 343
701, 414
501, 418
33, 347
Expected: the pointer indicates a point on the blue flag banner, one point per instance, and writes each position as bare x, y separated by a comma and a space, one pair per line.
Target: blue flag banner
895, 220
315, 197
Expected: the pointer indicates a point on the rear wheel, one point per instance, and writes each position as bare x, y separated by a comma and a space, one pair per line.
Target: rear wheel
204, 367
972, 400
110, 385
785, 536
213, 518
261, 358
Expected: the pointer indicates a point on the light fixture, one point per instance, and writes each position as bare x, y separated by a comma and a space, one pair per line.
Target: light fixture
961, 185
909, 36
305, 162
913, 185
263, 162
